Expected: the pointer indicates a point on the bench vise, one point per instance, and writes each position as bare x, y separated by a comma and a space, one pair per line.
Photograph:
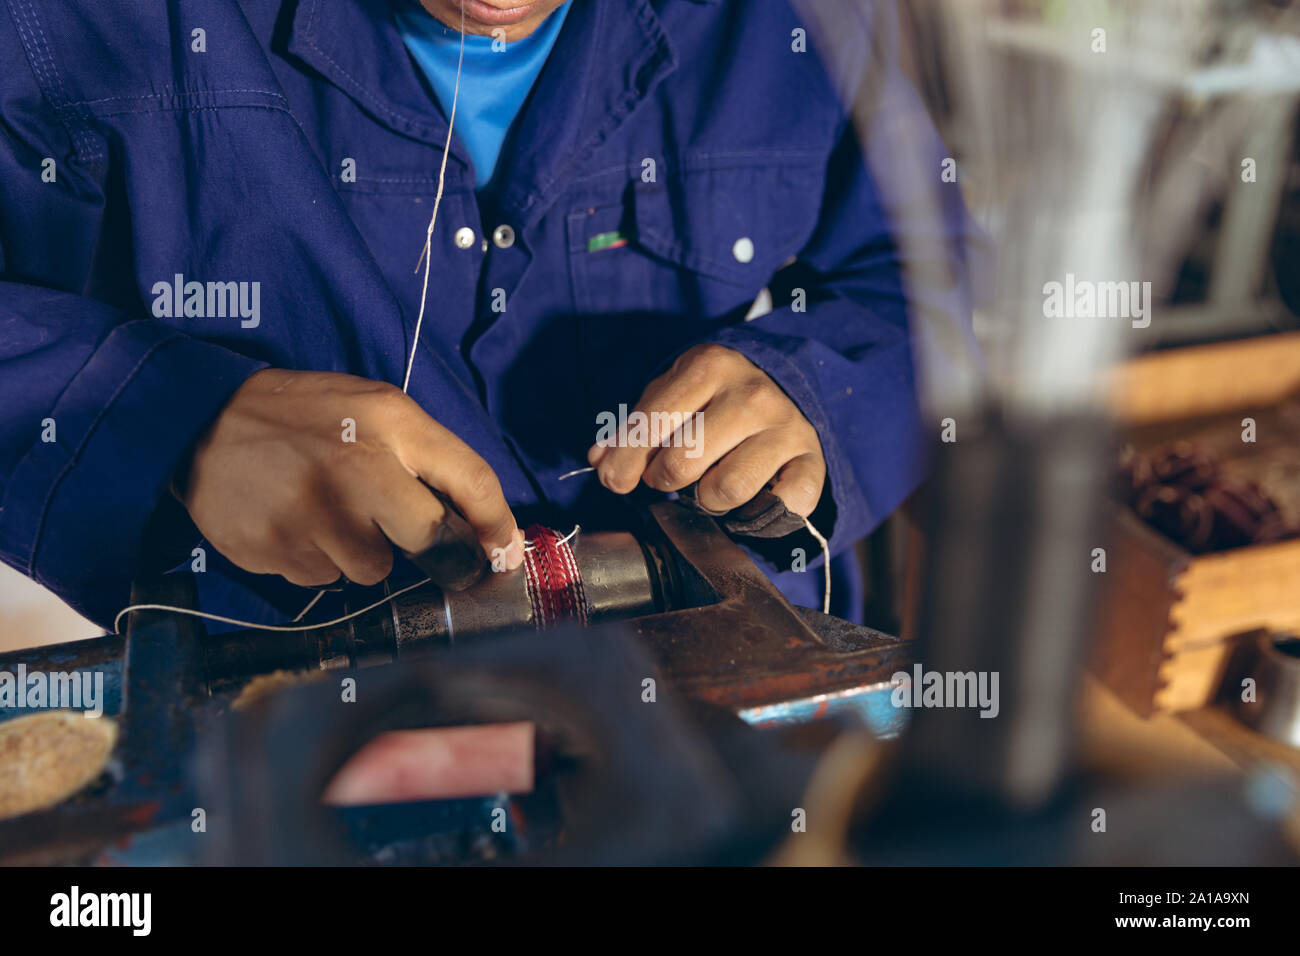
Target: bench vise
708, 625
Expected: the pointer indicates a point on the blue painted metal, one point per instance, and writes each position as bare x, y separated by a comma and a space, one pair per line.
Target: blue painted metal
111, 672
870, 702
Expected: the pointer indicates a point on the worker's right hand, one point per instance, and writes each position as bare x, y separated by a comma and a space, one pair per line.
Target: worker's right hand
313, 474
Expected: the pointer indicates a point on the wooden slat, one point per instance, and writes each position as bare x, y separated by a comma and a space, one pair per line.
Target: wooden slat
1134, 618
1224, 598
1214, 599
1191, 678
1207, 379
1235, 591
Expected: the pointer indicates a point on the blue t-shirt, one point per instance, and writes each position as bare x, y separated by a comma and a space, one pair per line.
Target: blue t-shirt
493, 83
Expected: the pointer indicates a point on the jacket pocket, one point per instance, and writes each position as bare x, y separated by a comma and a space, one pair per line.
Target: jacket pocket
701, 241
655, 266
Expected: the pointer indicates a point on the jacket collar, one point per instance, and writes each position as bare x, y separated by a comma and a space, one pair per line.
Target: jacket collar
610, 55
355, 45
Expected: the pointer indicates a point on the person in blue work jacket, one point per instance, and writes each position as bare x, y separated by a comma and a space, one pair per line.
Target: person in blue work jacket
211, 216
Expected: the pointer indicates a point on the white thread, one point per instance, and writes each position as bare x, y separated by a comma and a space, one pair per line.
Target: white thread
826, 564
425, 256
295, 627
576, 471
528, 545
263, 627
310, 604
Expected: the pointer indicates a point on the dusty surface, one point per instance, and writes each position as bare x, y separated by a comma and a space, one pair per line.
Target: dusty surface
48, 756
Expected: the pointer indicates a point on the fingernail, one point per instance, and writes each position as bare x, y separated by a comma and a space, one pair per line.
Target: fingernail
515, 552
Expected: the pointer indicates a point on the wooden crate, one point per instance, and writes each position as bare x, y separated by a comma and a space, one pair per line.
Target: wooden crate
1170, 619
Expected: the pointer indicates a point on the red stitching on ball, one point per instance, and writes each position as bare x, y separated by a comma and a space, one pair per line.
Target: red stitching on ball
553, 579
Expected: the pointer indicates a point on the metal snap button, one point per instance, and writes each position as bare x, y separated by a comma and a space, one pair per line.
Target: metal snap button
743, 250
464, 237
503, 236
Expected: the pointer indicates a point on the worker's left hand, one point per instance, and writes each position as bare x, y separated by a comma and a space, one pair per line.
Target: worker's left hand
750, 433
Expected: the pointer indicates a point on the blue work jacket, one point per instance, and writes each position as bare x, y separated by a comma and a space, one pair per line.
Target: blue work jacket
146, 144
